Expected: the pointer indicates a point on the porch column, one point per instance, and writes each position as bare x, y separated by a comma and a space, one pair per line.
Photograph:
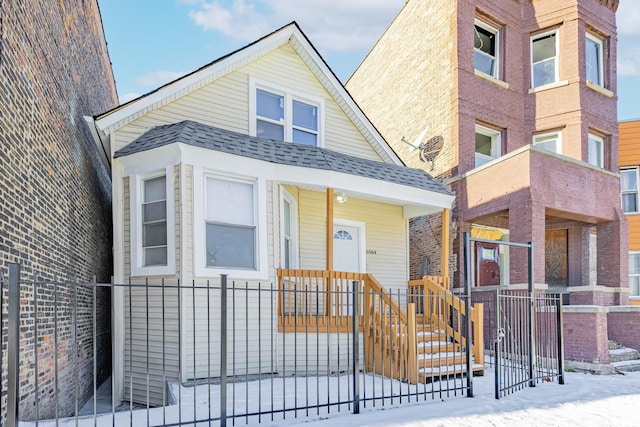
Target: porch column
445, 242
329, 236
613, 259
526, 224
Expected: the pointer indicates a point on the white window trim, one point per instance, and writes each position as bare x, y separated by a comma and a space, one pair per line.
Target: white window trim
337, 222
496, 31
496, 142
546, 134
285, 195
557, 61
199, 226
289, 95
136, 192
600, 43
601, 141
635, 297
636, 169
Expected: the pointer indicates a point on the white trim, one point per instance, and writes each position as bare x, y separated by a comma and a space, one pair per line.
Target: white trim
289, 95
600, 44
361, 226
557, 56
600, 140
636, 171
496, 144
558, 133
496, 59
293, 203
201, 269
109, 122
135, 212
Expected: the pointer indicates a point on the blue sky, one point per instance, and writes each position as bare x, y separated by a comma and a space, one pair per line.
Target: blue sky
154, 42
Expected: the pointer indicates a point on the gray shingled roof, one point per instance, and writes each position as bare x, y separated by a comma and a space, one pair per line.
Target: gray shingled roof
212, 138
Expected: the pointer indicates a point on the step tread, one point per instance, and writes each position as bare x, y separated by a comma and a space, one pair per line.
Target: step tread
443, 355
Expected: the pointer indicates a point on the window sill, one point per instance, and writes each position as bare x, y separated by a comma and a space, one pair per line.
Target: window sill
606, 92
491, 79
549, 86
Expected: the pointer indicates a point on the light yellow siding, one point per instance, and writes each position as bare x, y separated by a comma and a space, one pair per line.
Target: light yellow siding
224, 103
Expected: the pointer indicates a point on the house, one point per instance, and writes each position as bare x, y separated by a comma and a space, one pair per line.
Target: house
513, 105
629, 162
260, 166
55, 215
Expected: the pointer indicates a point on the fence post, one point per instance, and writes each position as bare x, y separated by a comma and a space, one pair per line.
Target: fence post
496, 345
356, 346
13, 345
532, 343
467, 306
560, 332
223, 350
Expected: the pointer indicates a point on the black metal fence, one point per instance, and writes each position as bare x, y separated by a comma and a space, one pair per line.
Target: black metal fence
208, 353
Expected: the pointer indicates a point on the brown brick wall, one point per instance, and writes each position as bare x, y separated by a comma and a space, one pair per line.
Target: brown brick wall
55, 215
585, 336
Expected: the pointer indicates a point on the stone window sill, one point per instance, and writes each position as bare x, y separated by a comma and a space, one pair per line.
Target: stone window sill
549, 86
492, 79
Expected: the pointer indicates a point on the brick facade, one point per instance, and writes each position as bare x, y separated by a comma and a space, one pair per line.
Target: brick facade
55, 215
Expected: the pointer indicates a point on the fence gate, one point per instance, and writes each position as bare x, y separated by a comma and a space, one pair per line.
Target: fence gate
527, 328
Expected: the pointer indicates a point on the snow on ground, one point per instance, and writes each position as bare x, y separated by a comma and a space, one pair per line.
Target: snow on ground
585, 400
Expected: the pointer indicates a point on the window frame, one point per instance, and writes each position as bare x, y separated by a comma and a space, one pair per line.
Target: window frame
535, 37
496, 31
293, 237
201, 269
289, 96
600, 43
545, 135
496, 144
636, 170
136, 189
634, 296
601, 141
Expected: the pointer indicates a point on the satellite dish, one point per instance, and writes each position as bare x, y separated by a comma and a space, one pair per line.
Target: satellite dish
431, 148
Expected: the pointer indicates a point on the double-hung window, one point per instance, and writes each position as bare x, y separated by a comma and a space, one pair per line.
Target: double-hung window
596, 150
544, 59
486, 47
230, 224
593, 60
551, 141
629, 188
283, 116
154, 222
488, 145
289, 230
634, 274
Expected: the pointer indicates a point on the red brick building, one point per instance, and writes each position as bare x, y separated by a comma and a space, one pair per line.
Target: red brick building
55, 192
522, 96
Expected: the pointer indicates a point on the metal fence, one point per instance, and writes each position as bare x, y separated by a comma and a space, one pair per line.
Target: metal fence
208, 353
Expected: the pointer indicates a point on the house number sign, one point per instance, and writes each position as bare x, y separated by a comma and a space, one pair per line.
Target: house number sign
371, 252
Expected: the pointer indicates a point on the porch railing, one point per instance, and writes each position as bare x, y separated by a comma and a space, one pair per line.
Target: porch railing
440, 306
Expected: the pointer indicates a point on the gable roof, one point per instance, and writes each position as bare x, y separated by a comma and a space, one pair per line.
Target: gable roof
285, 153
118, 117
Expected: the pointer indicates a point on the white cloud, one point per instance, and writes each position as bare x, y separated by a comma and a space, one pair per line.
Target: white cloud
628, 17
128, 97
332, 25
158, 78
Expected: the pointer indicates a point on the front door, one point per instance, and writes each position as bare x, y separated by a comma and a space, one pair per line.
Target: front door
346, 248
556, 257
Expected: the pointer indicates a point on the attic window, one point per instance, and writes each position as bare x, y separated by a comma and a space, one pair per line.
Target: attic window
281, 115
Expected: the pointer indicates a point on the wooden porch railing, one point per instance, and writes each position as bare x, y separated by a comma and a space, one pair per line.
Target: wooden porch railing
320, 301
439, 306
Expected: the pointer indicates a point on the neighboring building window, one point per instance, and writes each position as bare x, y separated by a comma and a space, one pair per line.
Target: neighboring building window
596, 151
289, 231
593, 60
487, 145
544, 59
154, 222
282, 116
486, 46
634, 274
629, 187
549, 141
230, 224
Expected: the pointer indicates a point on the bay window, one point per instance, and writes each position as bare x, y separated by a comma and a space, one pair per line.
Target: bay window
544, 59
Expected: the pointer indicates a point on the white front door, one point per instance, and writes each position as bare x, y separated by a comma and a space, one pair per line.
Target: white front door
346, 248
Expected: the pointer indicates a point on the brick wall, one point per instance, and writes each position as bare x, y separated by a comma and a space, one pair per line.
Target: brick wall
585, 334
55, 210
623, 325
